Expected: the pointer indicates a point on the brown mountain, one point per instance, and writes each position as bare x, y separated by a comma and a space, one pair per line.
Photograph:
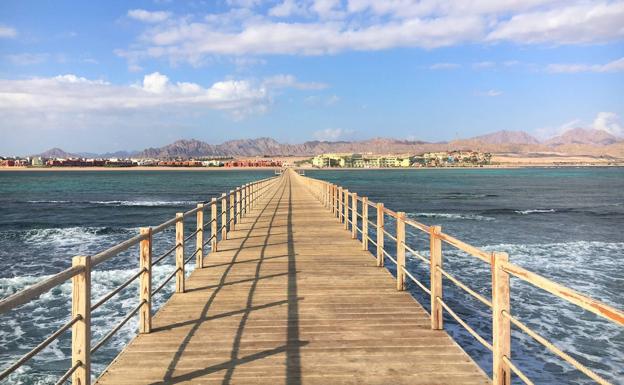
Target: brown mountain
506, 137
583, 136
574, 142
57, 153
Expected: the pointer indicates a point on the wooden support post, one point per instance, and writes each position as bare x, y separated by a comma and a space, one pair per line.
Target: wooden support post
145, 295
252, 201
223, 217
238, 205
345, 194
179, 254
435, 252
364, 223
380, 234
245, 199
81, 330
213, 225
340, 202
231, 223
199, 240
400, 250
328, 196
501, 328
333, 199
354, 218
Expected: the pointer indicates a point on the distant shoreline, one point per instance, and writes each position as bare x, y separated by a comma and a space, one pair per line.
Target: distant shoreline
219, 169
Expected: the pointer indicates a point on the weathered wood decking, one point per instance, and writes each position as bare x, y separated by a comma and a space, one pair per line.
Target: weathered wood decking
291, 298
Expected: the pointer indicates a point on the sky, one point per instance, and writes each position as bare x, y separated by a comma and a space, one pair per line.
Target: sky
100, 76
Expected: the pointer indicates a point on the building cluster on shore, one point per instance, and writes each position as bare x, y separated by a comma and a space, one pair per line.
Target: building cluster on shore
429, 159
329, 160
37, 161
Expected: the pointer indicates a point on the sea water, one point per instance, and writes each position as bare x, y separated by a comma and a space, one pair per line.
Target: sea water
564, 223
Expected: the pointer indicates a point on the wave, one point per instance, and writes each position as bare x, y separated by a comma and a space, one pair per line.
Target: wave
535, 211
118, 203
471, 217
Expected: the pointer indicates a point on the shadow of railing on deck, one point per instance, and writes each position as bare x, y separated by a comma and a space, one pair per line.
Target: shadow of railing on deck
231, 365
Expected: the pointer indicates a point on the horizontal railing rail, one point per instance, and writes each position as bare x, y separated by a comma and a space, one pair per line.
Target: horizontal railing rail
241, 201
340, 202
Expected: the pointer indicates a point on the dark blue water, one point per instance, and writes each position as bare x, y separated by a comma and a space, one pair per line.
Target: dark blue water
48, 217
565, 224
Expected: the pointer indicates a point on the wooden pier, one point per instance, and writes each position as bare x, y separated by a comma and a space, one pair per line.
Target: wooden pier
289, 293
290, 298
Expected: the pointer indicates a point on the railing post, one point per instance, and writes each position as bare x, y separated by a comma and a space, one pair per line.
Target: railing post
346, 209
380, 234
327, 196
81, 330
199, 247
245, 199
223, 217
238, 205
145, 264
364, 223
333, 199
354, 220
253, 196
501, 328
231, 223
179, 254
213, 225
435, 252
340, 202
400, 250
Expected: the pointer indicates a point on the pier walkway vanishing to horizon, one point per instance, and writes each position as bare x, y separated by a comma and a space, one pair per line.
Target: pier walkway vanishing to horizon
293, 291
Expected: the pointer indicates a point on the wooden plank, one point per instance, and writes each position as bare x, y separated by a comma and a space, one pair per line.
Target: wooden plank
275, 305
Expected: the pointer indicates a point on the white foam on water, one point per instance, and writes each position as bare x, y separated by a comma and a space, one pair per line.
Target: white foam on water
593, 268
535, 211
145, 203
470, 217
51, 310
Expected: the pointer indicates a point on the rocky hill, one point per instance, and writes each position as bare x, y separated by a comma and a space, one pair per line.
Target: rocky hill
577, 141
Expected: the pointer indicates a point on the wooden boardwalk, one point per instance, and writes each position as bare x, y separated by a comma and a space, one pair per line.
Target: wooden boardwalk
291, 298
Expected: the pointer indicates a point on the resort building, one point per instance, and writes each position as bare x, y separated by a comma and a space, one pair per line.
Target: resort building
361, 160
454, 158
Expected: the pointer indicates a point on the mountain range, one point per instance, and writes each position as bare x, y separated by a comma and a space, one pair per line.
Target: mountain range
577, 141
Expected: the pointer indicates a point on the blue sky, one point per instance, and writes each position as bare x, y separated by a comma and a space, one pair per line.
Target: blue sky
110, 75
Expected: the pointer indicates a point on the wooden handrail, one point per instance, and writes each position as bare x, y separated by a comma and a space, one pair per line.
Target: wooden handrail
502, 269
80, 274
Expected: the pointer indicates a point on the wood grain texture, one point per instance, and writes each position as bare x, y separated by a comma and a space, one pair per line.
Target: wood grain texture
289, 298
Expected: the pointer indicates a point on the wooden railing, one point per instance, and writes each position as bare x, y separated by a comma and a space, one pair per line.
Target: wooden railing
241, 200
341, 203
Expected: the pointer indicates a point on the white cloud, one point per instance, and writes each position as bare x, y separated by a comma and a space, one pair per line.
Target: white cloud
444, 66
609, 122
613, 66
604, 121
148, 16
7, 32
321, 27
333, 134
287, 8
489, 93
585, 22
289, 81
69, 96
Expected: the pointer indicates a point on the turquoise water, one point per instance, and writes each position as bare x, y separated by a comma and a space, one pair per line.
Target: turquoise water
563, 223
